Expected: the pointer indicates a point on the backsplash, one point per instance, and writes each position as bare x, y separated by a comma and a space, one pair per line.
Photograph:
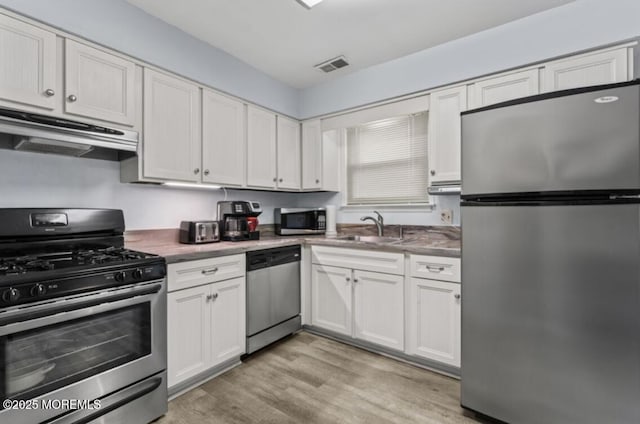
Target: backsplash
39, 180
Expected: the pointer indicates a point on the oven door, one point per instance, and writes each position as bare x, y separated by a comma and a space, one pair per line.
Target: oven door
80, 348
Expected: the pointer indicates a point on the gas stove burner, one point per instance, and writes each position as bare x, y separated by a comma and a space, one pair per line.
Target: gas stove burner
23, 264
52, 261
108, 254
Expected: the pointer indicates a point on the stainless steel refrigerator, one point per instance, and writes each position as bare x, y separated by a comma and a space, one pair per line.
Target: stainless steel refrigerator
551, 257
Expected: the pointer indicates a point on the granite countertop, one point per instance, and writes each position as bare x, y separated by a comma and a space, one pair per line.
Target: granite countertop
165, 243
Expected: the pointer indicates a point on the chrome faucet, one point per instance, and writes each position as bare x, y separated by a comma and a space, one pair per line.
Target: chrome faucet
379, 222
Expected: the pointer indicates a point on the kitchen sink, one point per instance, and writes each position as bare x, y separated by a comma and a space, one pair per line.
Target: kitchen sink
370, 239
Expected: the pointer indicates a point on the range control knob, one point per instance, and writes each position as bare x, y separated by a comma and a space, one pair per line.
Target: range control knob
120, 276
137, 273
38, 290
10, 295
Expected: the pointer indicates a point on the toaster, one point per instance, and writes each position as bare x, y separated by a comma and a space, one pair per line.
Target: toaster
194, 232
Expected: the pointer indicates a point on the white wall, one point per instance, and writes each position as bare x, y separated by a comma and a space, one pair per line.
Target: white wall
39, 180
580, 25
121, 26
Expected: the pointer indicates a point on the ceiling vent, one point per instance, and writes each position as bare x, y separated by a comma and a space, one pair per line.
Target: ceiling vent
332, 64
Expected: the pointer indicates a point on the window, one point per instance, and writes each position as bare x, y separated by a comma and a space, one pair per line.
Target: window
387, 161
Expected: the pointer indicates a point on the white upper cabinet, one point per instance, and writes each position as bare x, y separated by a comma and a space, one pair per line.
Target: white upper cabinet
28, 65
444, 133
223, 139
261, 148
602, 67
99, 85
311, 155
172, 136
502, 88
288, 153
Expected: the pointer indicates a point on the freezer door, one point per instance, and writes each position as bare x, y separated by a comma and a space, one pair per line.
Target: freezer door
551, 313
558, 144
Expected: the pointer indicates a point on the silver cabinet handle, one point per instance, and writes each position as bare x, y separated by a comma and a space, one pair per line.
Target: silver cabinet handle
209, 297
432, 268
209, 271
355, 280
433, 172
348, 279
49, 92
317, 181
206, 172
214, 296
72, 98
457, 296
280, 180
275, 179
196, 171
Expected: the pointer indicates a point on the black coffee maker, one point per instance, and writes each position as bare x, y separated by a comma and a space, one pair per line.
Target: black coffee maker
233, 216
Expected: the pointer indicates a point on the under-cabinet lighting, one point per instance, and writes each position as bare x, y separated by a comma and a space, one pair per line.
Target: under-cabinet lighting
308, 3
191, 185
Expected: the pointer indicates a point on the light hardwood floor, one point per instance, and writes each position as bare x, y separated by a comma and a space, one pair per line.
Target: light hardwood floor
310, 379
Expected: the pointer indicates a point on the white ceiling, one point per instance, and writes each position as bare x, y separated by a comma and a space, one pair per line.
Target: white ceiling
285, 40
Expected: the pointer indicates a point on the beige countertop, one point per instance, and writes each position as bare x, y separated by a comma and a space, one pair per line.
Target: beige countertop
165, 243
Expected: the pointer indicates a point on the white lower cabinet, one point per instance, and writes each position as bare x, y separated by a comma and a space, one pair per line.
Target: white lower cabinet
206, 326
362, 304
228, 329
433, 316
331, 295
189, 334
418, 315
378, 306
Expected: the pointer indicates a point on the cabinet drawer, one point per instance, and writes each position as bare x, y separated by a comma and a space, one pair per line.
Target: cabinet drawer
435, 268
189, 274
367, 260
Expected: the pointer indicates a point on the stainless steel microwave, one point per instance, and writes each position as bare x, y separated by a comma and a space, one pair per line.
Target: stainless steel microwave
291, 221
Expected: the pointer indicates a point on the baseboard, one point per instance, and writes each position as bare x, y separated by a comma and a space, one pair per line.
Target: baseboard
434, 366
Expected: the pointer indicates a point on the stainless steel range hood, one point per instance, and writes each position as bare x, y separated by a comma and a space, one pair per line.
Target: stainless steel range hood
445, 188
31, 132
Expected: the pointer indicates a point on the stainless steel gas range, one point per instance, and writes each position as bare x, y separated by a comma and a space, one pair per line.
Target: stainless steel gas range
82, 320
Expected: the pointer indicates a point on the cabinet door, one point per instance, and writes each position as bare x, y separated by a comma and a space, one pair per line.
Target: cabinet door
261, 148
444, 133
99, 85
28, 58
331, 160
503, 88
171, 148
378, 306
434, 320
288, 153
189, 336
311, 155
331, 297
584, 70
227, 320
223, 139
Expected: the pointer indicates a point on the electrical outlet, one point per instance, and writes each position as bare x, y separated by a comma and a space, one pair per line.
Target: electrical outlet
446, 216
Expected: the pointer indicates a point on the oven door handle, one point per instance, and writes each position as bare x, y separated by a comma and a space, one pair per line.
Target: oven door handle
100, 303
110, 403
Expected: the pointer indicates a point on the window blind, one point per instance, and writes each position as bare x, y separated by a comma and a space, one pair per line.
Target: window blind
387, 161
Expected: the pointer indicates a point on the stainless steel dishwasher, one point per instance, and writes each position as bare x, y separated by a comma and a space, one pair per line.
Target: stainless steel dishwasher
273, 295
